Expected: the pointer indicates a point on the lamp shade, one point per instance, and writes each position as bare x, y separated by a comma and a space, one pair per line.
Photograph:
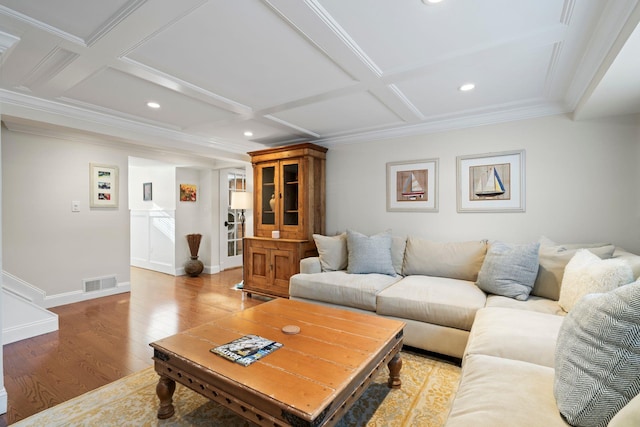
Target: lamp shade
241, 200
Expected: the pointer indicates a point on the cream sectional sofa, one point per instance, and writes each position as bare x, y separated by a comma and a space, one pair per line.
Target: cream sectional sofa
506, 343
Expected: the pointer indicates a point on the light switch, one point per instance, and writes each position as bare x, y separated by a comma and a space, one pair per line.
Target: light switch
75, 206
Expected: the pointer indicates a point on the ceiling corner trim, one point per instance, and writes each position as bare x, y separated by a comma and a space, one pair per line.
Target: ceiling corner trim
41, 25
331, 23
605, 43
292, 126
114, 20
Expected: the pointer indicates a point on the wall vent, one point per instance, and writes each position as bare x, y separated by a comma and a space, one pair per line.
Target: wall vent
99, 283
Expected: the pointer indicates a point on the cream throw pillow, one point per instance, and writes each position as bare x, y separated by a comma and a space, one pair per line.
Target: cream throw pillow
586, 274
332, 251
553, 259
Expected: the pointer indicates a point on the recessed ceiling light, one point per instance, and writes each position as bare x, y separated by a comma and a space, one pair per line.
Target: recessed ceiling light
152, 104
428, 2
467, 87
248, 133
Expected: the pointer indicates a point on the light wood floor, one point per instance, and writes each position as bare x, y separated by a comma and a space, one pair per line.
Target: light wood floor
105, 339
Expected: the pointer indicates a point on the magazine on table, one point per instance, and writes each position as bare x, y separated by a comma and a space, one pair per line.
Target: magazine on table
247, 349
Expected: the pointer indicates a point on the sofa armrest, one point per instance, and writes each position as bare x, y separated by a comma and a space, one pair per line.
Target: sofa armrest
310, 265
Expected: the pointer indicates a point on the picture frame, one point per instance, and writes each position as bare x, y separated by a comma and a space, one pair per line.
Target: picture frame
103, 185
492, 182
188, 192
147, 191
412, 186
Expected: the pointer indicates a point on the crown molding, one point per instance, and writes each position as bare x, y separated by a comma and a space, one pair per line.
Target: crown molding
58, 113
533, 110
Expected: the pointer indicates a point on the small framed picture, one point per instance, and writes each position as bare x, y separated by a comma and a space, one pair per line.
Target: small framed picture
188, 193
412, 186
493, 182
147, 191
103, 186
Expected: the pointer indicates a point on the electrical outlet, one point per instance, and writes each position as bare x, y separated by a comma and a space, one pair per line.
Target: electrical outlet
75, 206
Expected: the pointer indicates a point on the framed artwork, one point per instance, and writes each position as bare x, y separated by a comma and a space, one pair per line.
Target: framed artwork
412, 186
493, 182
147, 191
103, 186
188, 193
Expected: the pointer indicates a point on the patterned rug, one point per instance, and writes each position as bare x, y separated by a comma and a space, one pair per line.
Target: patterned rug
428, 386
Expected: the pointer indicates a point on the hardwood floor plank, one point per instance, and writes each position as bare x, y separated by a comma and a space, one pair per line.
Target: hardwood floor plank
104, 339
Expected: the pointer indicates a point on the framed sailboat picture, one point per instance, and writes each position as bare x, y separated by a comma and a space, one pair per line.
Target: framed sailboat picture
412, 186
493, 182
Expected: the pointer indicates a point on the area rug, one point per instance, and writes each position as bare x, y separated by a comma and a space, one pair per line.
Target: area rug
428, 386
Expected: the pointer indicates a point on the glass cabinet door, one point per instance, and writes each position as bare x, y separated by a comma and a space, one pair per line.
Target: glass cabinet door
269, 195
290, 189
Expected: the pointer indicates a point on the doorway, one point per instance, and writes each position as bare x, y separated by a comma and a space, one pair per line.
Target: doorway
231, 235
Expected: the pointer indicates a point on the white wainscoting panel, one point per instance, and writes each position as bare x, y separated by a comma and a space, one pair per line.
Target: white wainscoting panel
153, 240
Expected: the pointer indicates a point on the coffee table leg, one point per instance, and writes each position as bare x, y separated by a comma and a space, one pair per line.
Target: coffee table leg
164, 390
395, 364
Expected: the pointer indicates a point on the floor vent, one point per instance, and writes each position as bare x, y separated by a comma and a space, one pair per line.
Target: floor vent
100, 283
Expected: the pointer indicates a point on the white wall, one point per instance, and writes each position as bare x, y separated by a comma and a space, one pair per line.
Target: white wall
194, 217
581, 183
152, 221
163, 179
45, 243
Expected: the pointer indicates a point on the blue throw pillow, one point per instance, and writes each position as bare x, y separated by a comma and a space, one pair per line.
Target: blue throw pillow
369, 254
509, 270
597, 360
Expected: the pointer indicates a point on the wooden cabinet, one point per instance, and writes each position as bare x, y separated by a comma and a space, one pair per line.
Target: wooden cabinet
289, 197
269, 263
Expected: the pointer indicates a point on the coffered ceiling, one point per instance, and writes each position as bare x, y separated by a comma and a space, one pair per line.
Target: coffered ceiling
331, 71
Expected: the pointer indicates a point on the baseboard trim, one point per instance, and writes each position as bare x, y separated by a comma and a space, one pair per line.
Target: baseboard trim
29, 330
25, 319
78, 296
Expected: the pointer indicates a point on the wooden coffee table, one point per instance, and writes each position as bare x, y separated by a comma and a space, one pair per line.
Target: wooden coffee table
311, 381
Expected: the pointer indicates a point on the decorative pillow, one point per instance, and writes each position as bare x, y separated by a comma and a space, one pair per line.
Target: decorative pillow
458, 260
553, 259
509, 270
398, 245
332, 251
369, 254
597, 360
586, 273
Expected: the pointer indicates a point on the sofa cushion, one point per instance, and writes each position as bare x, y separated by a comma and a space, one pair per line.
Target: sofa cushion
533, 303
629, 416
502, 392
586, 273
597, 357
509, 269
437, 300
340, 287
553, 259
458, 260
369, 254
332, 251
515, 334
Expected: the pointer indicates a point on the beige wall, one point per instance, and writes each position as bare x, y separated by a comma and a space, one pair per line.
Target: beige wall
45, 243
581, 183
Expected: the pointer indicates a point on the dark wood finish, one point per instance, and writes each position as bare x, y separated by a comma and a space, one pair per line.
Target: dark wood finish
311, 381
298, 213
270, 263
102, 340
